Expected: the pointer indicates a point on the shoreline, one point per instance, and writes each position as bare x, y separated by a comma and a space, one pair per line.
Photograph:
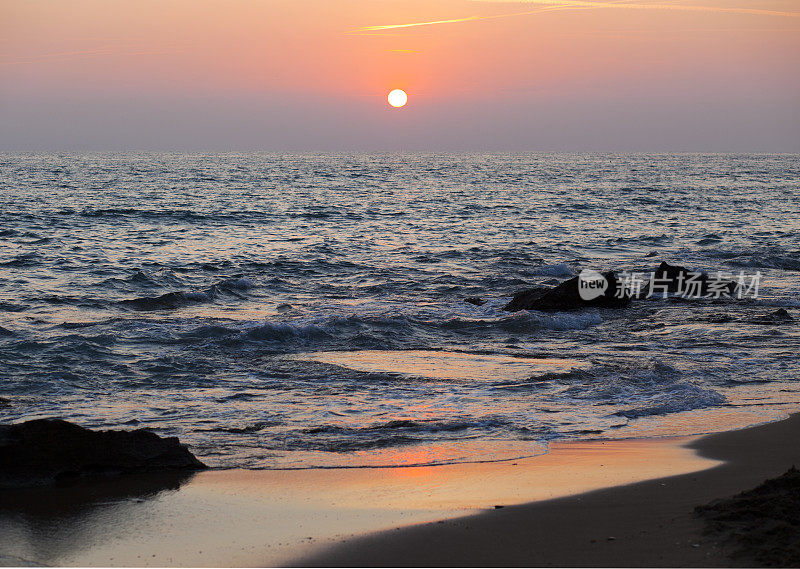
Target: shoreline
557, 508
645, 524
256, 518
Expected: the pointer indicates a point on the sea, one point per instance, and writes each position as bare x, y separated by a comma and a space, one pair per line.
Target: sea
286, 311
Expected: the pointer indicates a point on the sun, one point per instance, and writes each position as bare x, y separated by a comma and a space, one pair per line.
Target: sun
397, 98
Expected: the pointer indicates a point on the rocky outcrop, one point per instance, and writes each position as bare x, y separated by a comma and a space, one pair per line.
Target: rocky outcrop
47, 450
666, 279
567, 296
676, 279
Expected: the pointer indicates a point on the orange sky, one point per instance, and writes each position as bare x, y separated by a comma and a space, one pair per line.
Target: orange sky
330, 58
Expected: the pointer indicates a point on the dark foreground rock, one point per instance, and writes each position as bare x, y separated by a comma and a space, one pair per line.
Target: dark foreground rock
50, 450
566, 296
764, 522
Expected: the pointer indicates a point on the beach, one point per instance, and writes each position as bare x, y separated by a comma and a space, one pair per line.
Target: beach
355, 343
593, 503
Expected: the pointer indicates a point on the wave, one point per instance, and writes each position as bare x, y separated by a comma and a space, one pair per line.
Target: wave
167, 301
337, 438
524, 321
117, 212
24, 260
758, 257
409, 426
282, 331
177, 299
12, 307
659, 389
245, 429
365, 330
645, 239
710, 239
785, 262
236, 283
686, 397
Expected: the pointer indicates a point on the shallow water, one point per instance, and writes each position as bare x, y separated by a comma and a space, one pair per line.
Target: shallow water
190, 294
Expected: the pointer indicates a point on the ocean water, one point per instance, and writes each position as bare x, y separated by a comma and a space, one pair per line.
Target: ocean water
294, 311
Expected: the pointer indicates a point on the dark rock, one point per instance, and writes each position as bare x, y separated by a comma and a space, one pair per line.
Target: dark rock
525, 298
672, 276
5, 402
764, 522
778, 317
566, 296
47, 450
5, 332
475, 300
676, 279
781, 315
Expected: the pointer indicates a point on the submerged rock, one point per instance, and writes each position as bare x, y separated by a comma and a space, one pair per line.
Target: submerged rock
48, 450
475, 300
566, 296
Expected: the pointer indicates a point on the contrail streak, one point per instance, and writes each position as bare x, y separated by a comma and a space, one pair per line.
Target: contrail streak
552, 5
637, 6
550, 8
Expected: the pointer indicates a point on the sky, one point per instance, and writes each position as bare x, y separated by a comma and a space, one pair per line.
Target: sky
481, 75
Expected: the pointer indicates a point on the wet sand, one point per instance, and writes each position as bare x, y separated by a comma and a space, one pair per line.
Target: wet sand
253, 518
645, 524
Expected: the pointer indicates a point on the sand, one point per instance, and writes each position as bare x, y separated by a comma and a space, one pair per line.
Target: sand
647, 524
578, 496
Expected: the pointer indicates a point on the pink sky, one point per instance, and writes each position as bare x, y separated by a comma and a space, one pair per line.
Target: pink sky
715, 75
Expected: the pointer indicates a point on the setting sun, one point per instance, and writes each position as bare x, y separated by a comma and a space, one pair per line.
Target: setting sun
397, 98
